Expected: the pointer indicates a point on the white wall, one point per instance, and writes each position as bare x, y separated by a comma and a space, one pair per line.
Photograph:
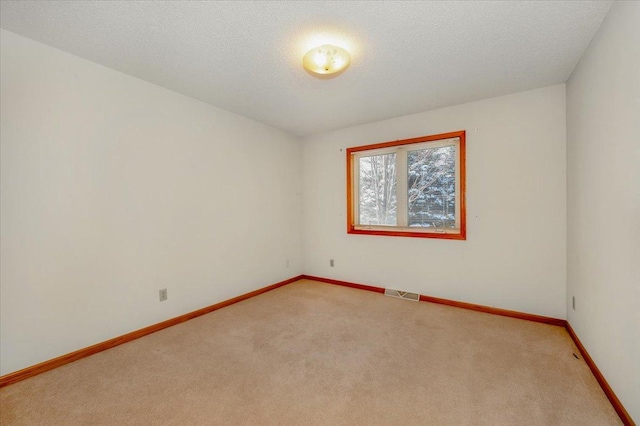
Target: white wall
514, 256
113, 188
603, 204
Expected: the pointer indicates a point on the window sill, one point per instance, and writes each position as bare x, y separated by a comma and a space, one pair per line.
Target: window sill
392, 231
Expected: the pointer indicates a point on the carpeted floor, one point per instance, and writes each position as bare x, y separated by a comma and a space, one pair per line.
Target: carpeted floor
317, 354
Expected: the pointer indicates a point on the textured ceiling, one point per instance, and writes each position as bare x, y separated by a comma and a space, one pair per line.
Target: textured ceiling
246, 57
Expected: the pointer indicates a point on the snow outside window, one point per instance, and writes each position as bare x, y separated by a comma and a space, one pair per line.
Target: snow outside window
412, 187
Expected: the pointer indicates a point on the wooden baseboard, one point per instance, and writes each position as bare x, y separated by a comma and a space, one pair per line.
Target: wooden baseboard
495, 311
344, 283
617, 405
99, 347
463, 305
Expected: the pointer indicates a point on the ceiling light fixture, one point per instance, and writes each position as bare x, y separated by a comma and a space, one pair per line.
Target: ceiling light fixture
326, 59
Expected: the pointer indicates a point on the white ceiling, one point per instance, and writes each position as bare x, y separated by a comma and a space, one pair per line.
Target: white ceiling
246, 57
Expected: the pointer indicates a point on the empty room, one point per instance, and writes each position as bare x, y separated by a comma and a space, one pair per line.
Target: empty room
319, 213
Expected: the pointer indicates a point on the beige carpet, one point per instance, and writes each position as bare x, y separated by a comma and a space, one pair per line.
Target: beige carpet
312, 353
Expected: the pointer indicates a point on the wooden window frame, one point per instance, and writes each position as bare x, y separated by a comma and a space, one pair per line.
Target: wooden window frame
395, 231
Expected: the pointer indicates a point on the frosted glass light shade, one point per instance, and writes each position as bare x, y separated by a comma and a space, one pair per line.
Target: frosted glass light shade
326, 59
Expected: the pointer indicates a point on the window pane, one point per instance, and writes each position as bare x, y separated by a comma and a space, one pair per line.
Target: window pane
378, 190
432, 187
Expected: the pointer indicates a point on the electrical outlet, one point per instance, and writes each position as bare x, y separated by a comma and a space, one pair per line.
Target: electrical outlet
331, 263
573, 302
163, 294
287, 263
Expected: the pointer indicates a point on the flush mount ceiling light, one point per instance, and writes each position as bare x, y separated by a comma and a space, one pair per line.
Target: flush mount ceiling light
326, 60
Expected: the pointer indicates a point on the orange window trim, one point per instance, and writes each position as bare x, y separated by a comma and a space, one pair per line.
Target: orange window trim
462, 235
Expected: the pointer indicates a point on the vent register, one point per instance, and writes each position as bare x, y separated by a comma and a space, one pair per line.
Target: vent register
402, 294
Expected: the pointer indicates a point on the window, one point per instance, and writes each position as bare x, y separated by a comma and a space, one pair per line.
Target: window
411, 188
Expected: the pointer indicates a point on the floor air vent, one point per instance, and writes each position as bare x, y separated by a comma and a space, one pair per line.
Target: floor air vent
402, 294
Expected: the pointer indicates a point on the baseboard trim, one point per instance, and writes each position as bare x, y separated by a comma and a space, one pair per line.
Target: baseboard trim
344, 283
463, 305
617, 405
99, 347
495, 311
